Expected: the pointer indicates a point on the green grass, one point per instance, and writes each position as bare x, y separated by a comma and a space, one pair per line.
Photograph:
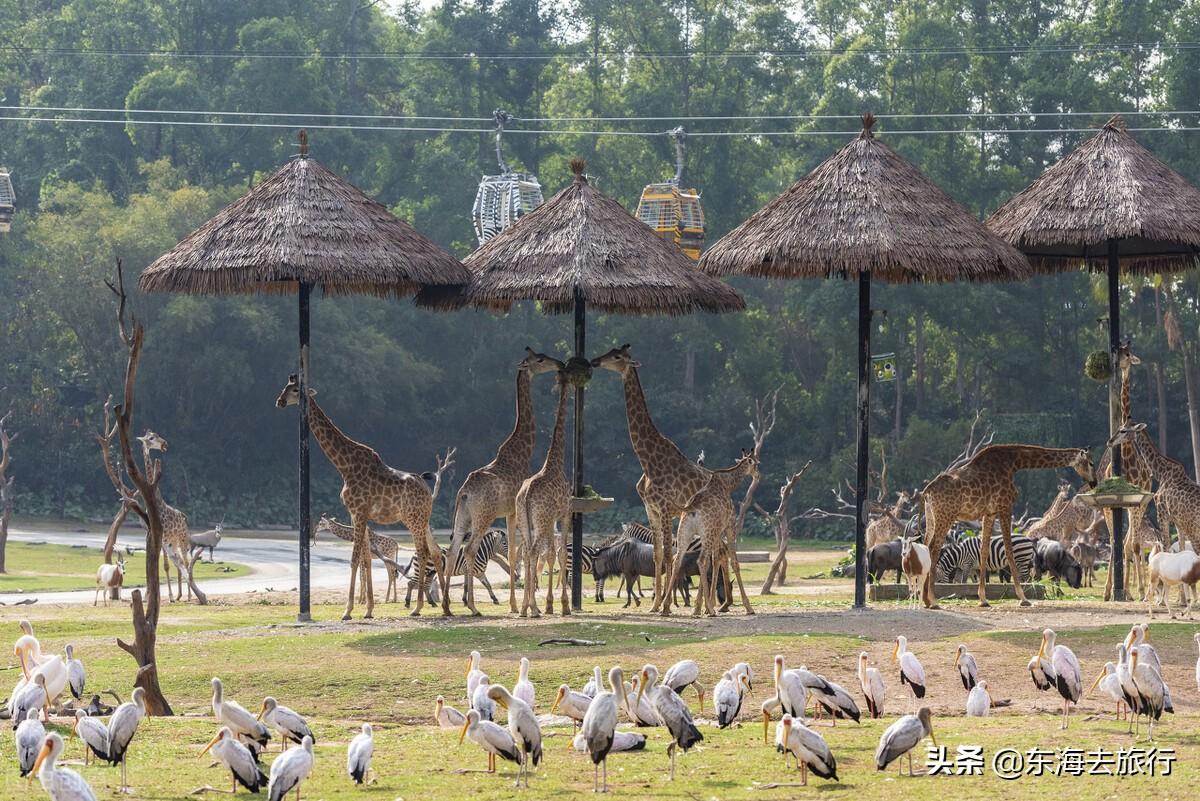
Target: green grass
34, 567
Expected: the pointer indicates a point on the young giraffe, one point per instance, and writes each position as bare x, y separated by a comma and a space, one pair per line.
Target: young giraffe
176, 541
1178, 497
888, 526
543, 502
372, 491
669, 479
382, 546
1063, 521
983, 489
491, 491
1133, 470
711, 510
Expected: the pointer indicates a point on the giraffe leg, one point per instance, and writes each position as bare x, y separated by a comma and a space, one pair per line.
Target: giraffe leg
354, 563
737, 574
367, 579
469, 573
668, 561
656, 525
512, 563
1017, 578
935, 535
985, 545
1108, 581
705, 558
551, 558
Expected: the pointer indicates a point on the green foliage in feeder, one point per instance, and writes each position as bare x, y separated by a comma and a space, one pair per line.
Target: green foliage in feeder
579, 371
1116, 486
1098, 366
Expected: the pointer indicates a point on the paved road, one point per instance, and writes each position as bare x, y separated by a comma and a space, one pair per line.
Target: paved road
273, 564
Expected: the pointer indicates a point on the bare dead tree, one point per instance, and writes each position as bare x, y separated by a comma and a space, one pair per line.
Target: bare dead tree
6, 486
444, 463
782, 520
144, 504
111, 468
973, 446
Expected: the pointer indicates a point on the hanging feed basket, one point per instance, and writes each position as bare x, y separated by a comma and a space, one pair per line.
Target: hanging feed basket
1098, 366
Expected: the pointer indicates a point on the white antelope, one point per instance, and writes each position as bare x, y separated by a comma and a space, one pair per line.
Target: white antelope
109, 577
1169, 570
916, 563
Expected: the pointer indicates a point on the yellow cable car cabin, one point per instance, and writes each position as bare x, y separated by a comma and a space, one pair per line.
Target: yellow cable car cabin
8, 201
675, 213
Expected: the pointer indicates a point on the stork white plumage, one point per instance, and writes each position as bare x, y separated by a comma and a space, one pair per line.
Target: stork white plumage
34, 662
672, 711
94, 734
683, 674
979, 701
1151, 689
447, 717
1196, 637
600, 725
358, 754
524, 688
76, 675
31, 698
727, 697
30, 737
595, 684
480, 701
912, 673
638, 709
473, 675
902, 737
230, 713
744, 667
61, 784
873, 688
790, 691
237, 759
1128, 687
574, 705
524, 728
807, 747
493, 738
122, 726
290, 725
968, 670
622, 741
1139, 639
1110, 684
837, 702
290, 769
1066, 671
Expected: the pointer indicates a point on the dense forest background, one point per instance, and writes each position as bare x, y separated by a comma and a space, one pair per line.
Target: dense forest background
412, 382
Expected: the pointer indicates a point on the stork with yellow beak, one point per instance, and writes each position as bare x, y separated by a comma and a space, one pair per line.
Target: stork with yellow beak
902, 737
979, 700
912, 672
574, 705
1066, 672
238, 759
474, 674
61, 784
492, 738
1151, 690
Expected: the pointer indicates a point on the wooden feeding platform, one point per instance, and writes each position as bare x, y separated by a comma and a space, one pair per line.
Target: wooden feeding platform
1115, 500
593, 503
995, 591
753, 557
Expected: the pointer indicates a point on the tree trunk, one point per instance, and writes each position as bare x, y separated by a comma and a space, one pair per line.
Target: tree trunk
899, 382
6, 510
778, 571
145, 636
110, 544
919, 363
1189, 379
1160, 385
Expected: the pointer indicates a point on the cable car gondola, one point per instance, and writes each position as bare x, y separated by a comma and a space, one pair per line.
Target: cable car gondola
674, 212
503, 198
8, 201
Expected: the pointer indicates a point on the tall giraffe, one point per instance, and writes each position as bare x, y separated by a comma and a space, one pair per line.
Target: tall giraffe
983, 489
544, 502
712, 510
176, 540
887, 526
1178, 497
382, 546
372, 491
1136, 472
669, 479
491, 491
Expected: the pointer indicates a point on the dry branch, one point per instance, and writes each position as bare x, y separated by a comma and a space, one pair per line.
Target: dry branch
783, 529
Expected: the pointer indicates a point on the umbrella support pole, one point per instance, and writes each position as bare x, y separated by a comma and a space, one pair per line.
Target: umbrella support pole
305, 520
577, 517
1114, 414
864, 443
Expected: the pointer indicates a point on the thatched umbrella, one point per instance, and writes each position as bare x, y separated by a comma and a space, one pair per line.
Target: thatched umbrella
1112, 207
865, 212
301, 228
582, 249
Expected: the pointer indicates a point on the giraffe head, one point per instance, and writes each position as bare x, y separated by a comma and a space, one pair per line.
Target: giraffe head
1125, 358
536, 363
618, 360
748, 464
152, 442
323, 526
1127, 434
290, 396
1082, 464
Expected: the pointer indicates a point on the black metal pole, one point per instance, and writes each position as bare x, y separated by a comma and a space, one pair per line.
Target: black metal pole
305, 614
1114, 414
864, 443
577, 517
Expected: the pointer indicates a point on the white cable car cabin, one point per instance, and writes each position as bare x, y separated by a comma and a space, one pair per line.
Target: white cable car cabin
502, 199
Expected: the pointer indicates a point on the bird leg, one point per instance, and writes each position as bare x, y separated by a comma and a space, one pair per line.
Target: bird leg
671, 752
804, 773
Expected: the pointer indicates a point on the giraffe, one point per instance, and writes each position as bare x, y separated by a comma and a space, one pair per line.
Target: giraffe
669, 479
382, 546
491, 491
176, 541
711, 511
888, 526
1064, 520
1178, 497
983, 489
544, 502
372, 491
1133, 470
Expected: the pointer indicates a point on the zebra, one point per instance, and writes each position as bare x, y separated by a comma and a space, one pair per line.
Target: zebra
961, 559
493, 543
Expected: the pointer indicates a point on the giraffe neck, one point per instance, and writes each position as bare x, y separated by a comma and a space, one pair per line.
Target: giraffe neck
727, 480
1126, 410
517, 449
1032, 457
338, 447
341, 531
1162, 468
898, 509
652, 448
557, 452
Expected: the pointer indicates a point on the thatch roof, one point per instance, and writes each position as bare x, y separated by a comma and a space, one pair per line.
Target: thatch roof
583, 241
304, 223
1110, 187
865, 209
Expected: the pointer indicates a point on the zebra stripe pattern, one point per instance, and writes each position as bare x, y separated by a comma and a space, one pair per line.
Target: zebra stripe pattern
958, 560
642, 533
494, 542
